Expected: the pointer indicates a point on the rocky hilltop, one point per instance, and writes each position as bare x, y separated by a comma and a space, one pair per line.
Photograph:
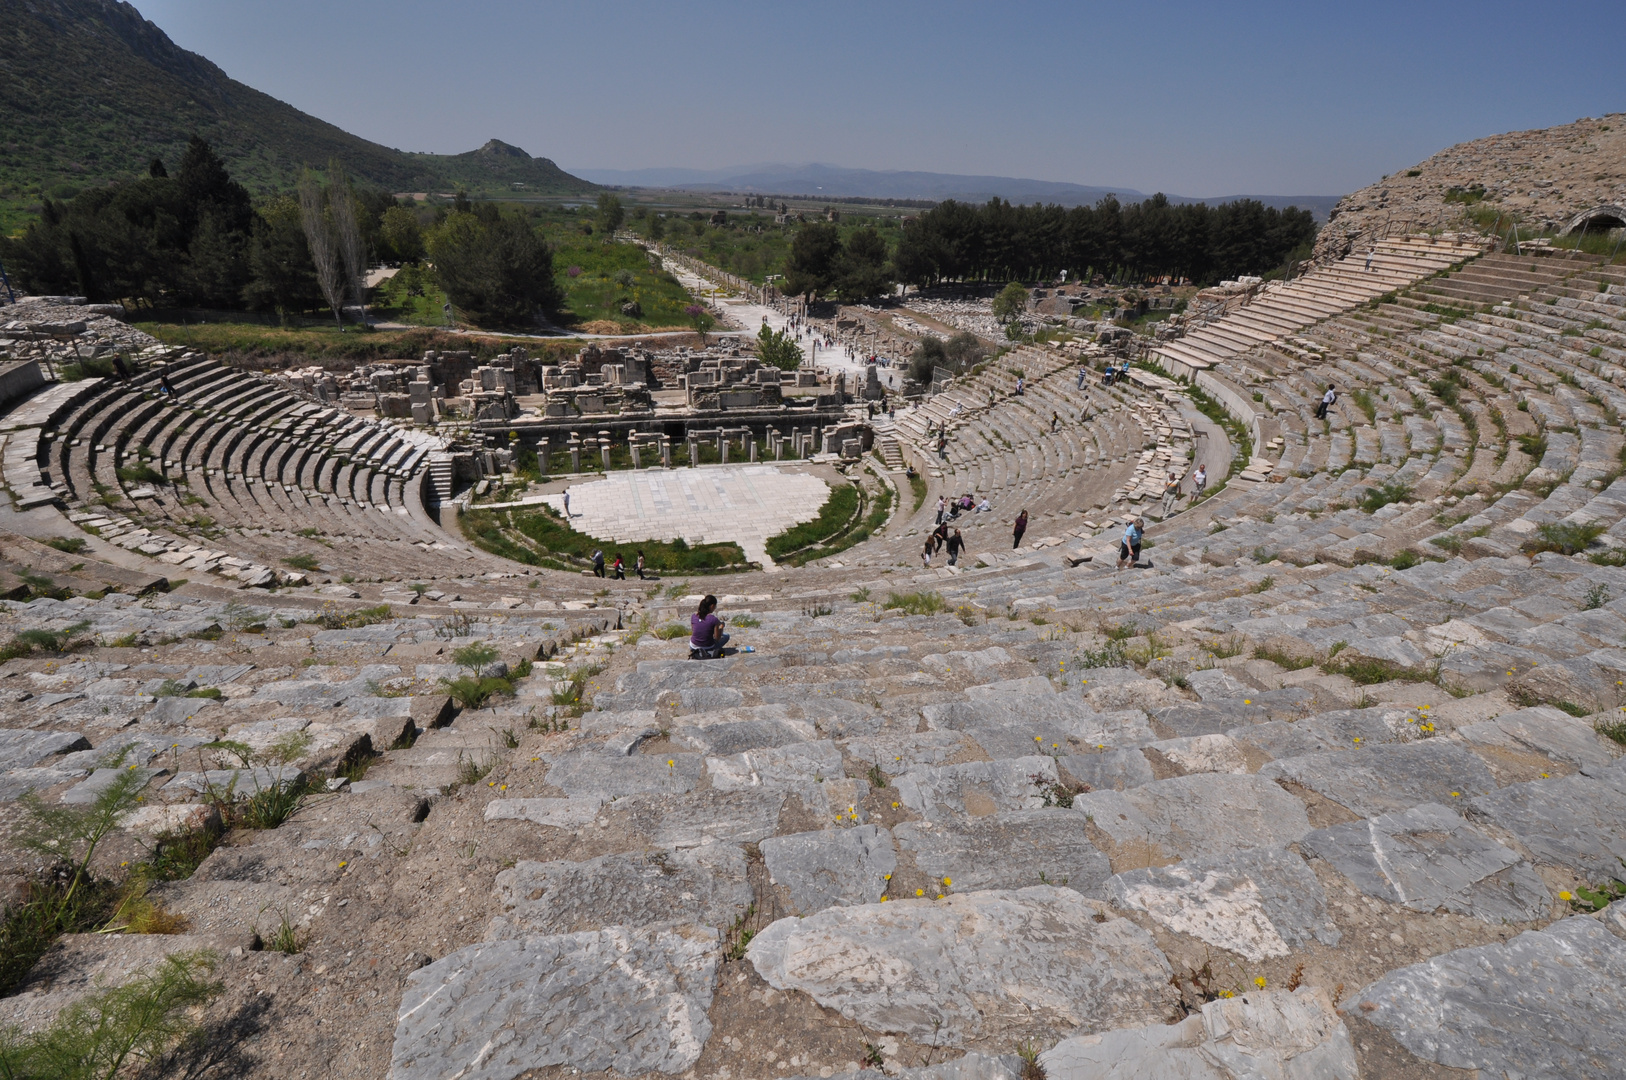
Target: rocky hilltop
1542, 177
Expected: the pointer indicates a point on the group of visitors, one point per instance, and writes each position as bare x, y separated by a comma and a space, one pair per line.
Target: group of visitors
1109, 376
1171, 487
949, 508
943, 537
618, 569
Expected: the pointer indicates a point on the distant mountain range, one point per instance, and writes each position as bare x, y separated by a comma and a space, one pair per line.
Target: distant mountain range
90, 92
831, 181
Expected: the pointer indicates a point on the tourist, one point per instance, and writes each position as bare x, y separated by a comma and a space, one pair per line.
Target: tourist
118, 366
567, 503
1129, 546
942, 447
1021, 386
1019, 527
640, 565
598, 563
165, 388
956, 544
1171, 492
928, 550
706, 637
1199, 480
985, 507
1106, 376
620, 568
1083, 373
1055, 422
1327, 401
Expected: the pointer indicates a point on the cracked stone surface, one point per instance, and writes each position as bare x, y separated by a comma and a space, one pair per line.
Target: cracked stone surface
630, 1000
1259, 903
1381, 779
831, 867
1031, 959
703, 886
1016, 848
1428, 858
1546, 1003
1574, 821
1196, 815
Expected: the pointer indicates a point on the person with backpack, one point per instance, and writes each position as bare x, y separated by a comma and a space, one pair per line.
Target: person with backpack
1171, 492
1327, 401
620, 568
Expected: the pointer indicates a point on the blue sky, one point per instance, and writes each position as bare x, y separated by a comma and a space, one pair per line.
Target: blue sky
1195, 99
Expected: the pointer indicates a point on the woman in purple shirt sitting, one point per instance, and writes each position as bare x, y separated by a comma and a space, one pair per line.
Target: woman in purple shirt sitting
706, 639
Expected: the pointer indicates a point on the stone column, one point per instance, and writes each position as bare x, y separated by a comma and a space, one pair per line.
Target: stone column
694, 453
543, 450
632, 445
604, 451
752, 442
722, 449
575, 454
666, 452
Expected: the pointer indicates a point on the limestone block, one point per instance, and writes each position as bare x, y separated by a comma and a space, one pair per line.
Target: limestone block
970, 966
1188, 816
1546, 1003
702, 886
976, 788
559, 813
622, 999
740, 735
1429, 858
1575, 822
1109, 770
700, 817
1260, 1035
799, 763
831, 867
91, 787
19, 782
1379, 779
593, 774
1204, 753
78, 965
1544, 730
1013, 849
239, 783
1342, 729
898, 753
20, 749
968, 665
175, 819
1258, 903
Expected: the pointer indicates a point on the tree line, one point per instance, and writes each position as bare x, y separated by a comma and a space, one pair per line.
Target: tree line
997, 241
196, 239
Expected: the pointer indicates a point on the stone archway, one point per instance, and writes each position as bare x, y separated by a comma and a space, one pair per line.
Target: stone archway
1599, 218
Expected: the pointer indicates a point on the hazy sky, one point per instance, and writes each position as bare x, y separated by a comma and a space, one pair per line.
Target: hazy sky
1194, 99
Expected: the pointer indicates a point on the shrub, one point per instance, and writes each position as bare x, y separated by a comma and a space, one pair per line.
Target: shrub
1378, 497
73, 545
1564, 537
915, 603
302, 562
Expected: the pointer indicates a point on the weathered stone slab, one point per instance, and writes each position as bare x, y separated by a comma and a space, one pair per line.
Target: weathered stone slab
1344, 729
1109, 770
1203, 753
19, 782
1040, 708
1547, 731
1260, 1035
1013, 849
1575, 822
699, 886
1380, 779
1259, 903
976, 788
738, 736
831, 867
1429, 858
972, 1066
971, 965
967, 665
901, 752
632, 1001
700, 817
1212, 684
606, 776
782, 766
1209, 717
91, 787
238, 783
20, 748
1546, 1003
1189, 816
559, 813
155, 820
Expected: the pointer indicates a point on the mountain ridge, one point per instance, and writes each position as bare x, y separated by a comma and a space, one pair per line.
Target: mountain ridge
91, 91
813, 179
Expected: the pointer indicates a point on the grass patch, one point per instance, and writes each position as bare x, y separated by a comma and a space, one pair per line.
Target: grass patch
307, 563
671, 631
544, 539
746, 620
73, 545
142, 473
1564, 537
917, 488
1378, 497
26, 642
916, 603
837, 514
1613, 730
1282, 659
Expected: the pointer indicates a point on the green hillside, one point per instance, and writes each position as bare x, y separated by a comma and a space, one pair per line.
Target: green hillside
91, 92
